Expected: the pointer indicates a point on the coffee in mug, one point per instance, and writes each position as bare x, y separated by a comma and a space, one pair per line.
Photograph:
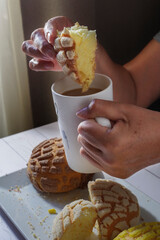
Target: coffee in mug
78, 92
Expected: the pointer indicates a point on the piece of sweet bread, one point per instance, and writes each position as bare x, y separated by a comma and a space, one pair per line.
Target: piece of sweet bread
48, 169
144, 231
117, 207
75, 221
76, 47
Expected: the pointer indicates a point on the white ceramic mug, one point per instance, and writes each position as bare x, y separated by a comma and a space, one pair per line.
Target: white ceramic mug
66, 108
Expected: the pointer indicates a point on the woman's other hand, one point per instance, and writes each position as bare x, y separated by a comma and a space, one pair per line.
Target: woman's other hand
40, 45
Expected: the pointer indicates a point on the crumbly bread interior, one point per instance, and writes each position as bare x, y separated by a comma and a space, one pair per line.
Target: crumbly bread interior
144, 231
85, 47
117, 207
75, 221
48, 169
76, 47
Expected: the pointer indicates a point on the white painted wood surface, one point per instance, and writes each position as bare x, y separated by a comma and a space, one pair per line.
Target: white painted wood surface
16, 149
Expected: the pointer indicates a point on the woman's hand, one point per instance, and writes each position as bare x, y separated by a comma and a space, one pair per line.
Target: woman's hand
132, 144
40, 45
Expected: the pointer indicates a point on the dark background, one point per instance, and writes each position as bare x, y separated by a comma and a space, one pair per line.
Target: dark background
123, 27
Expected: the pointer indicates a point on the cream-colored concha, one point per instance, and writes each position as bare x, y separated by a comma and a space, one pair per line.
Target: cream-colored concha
144, 231
76, 47
75, 221
117, 207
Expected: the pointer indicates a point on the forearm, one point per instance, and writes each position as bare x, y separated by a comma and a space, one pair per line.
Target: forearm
138, 81
123, 84
145, 70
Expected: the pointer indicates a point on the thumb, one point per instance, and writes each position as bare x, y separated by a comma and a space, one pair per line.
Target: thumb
102, 108
55, 24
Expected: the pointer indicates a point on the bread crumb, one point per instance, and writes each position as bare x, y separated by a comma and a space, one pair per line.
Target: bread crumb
44, 219
52, 211
31, 226
15, 189
35, 236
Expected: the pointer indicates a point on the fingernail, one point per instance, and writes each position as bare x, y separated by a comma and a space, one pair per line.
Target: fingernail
82, 112
49, 37
91, 104
33, 62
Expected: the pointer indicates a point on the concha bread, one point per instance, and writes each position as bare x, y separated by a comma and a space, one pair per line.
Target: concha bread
117, 207
48, 169
75, 221
144, 231
76, 47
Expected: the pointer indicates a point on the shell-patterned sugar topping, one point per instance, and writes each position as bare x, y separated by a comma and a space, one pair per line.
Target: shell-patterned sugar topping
76, 47
144, 231
117, 207
75, 221
48, 169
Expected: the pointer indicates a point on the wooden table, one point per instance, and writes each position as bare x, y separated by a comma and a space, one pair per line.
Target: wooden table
15, 151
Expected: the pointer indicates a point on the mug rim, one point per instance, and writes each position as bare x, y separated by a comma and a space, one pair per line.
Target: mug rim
65, 96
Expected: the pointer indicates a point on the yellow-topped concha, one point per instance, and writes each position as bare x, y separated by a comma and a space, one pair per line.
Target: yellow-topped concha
75, 221
76, 47
144, 231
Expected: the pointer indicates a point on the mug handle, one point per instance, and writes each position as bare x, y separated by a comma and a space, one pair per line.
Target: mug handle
103, 122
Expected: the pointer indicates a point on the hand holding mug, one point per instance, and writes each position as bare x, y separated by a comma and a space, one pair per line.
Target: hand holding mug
118, 151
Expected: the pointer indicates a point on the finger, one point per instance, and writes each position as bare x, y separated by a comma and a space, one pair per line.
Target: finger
94, 134
105, 166
40, 65
42, 44
90, 159
54, 24
103, 108
32, 51
92, 149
